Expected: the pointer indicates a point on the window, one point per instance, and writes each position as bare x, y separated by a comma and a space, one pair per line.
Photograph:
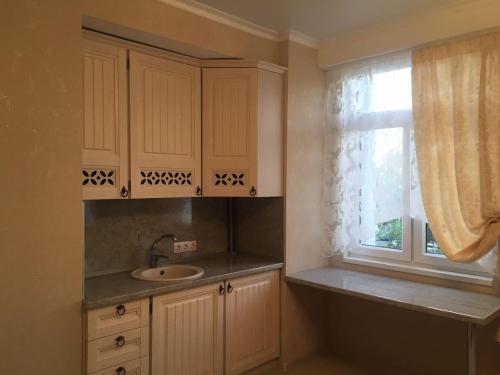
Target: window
431, 246
385, 179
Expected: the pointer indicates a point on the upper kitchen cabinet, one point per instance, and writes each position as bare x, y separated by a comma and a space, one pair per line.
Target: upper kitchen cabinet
143, 115
165, 127
105, 128
243, 130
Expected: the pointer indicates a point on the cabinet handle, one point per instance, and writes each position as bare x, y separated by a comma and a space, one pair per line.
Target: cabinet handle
120, 310
198, 190
120, 371
253, 192
124, 192
120, 341
229, 288
221, 290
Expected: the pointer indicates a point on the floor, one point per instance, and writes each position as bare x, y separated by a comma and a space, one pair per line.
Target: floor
321, 365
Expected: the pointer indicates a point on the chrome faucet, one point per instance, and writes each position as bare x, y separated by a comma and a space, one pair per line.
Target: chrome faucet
153, 257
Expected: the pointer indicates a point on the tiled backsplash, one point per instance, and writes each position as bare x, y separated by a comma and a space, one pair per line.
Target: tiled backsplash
259, 226
119, 233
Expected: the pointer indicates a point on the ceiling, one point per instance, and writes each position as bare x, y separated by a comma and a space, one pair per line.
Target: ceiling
320, 18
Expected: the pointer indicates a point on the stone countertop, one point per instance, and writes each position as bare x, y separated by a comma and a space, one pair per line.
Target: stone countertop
120, 287
451, 303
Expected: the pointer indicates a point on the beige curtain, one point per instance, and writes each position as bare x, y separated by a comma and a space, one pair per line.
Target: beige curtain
456, 114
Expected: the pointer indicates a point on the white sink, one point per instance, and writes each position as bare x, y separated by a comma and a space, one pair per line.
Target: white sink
168, 274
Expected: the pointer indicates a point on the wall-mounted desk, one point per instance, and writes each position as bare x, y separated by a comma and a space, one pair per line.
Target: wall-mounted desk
472, 308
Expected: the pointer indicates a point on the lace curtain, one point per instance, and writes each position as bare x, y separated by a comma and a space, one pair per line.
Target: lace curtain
363, 99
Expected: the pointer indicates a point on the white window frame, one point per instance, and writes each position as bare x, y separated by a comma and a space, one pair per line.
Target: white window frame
405, 253
421, 256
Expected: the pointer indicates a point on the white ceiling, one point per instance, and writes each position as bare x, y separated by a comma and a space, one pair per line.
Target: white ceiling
320, 18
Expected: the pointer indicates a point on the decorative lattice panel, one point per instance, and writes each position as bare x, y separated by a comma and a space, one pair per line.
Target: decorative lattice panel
160, 177
98, 177
229, 178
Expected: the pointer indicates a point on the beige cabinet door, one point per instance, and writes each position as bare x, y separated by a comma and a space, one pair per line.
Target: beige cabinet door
165, 127
105, 135
252, 321
242, 132
229, 131
187, 332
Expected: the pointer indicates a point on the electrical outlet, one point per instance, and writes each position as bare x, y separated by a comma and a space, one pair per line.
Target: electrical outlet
185, 246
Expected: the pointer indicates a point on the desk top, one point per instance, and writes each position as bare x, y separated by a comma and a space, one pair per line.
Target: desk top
451, 303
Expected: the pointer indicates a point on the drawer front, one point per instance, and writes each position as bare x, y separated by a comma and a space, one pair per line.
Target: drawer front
136, 367
113, 319
112, 350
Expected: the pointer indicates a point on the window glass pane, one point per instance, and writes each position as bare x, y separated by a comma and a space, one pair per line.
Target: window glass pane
388, 234
381, 192
391, 90
431, 246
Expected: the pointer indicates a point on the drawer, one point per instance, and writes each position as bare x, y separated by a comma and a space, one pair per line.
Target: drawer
113, 319
138, 366
115, 349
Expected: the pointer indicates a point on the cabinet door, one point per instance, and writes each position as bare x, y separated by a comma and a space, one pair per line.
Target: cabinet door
187, 332
165, 127
229, 131
252, 321
105, 149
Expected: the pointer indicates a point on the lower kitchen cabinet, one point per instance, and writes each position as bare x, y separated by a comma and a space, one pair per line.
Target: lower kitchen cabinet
187, 332
191, 328
252, 321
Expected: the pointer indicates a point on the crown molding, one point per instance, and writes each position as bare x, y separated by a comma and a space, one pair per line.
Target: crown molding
241, 24
231, 63
227, 19
301, 38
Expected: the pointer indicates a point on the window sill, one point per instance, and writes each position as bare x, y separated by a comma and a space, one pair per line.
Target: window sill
420, 270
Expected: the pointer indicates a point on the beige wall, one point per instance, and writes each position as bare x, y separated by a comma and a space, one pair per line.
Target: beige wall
154, 17
303, 309
304, 159
456, 18
41, 210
